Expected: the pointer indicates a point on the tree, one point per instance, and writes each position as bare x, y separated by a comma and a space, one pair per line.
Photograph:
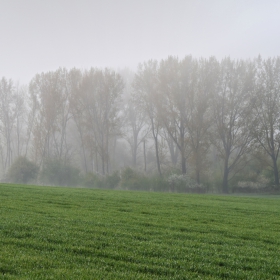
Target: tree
7, 120
49, 93
267, 110
176, 84
136, 128
100, 92
77, 110
231, 115
199, 112
20, 120
146, 91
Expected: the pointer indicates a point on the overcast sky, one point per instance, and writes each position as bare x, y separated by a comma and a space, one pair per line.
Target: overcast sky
43, 35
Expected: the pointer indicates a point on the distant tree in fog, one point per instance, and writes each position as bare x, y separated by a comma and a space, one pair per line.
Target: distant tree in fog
100, 94
232, 107
77, 109
11, 120
199, 113
146, 88
176, 84
21, 112
136, 127
267, 110
50, 113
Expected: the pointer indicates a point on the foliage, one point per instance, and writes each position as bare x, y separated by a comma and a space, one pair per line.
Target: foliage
67, 233
92, 180
158, 184
55, 172
183, 183
261, 185
128, 180
22, 171
213, 117
112, 181
133, 180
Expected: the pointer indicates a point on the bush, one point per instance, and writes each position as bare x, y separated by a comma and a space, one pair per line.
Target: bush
261, 185
158, 184
132, 180
183, 183
112, 181
92, 180
22, 171
55, 172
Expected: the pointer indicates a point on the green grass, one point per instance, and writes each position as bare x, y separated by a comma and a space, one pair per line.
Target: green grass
66, 233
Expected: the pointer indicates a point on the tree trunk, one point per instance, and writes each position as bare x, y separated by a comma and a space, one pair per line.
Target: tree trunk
144, 151
183, 165
275, 171
155, 135
182, 145
103, 164
197, 175
96, 160
157, 156
134, 156
225, 177
183, 157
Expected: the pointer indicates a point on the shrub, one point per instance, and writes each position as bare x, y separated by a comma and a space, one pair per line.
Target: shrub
183, 183
261, 185
112, 181
22, 171
129, 179
55, 172
92, 180
158, 184
132, 180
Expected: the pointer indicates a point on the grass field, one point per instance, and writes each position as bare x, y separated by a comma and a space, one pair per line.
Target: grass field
67, 233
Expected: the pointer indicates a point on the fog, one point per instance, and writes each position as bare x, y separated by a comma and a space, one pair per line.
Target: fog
39, 36
96, 92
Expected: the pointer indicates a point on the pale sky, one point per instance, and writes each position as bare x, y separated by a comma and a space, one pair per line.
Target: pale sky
42, 35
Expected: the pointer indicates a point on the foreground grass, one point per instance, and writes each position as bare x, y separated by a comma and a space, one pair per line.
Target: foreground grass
60, 233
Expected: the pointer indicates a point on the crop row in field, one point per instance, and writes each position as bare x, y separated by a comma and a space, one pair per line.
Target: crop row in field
63, 233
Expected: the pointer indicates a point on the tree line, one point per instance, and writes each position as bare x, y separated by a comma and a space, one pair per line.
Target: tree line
216, 121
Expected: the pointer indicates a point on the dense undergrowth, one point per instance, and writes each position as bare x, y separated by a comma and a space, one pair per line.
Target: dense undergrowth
68, 233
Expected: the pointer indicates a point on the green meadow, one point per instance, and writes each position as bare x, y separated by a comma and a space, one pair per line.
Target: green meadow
68, 233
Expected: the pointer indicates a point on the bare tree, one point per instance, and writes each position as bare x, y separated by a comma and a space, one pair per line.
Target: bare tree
50, 114
173, 148
198, 112
101, 94
20, 119
136, 128
267, 110
176, 84
77, 110
7, 120
146, 91
231, 115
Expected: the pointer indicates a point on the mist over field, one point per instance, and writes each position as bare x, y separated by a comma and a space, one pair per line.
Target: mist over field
179, 96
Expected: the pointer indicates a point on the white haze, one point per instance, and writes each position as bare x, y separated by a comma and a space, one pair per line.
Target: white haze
42, 35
